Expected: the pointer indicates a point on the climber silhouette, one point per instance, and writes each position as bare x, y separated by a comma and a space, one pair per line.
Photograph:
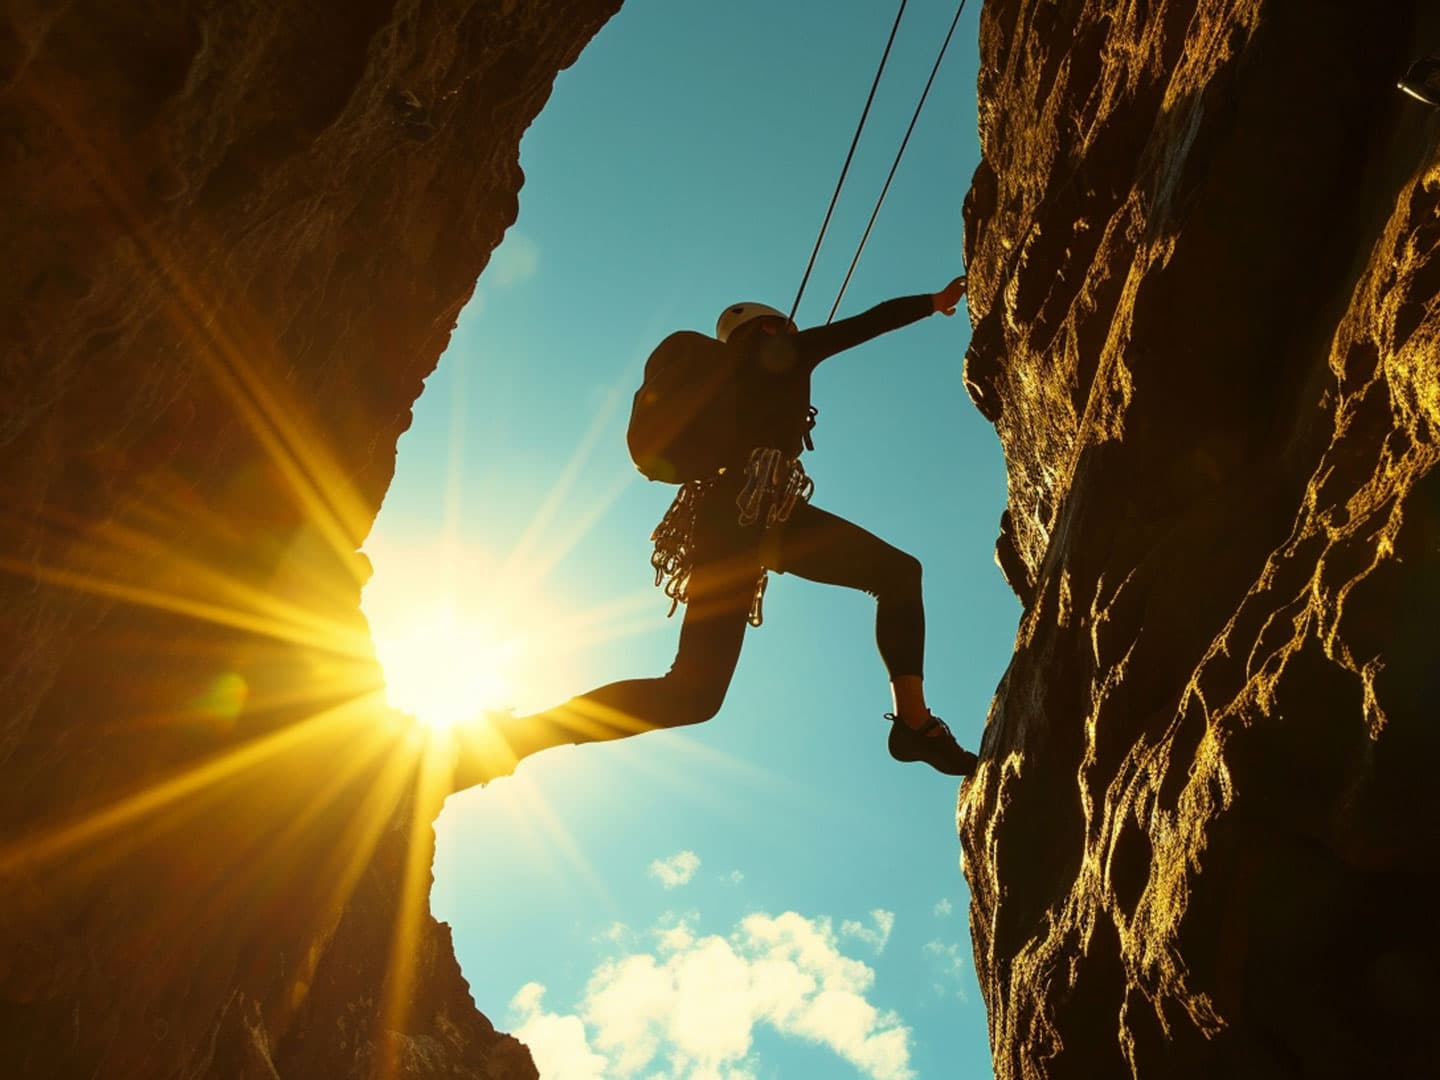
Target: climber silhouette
726, 530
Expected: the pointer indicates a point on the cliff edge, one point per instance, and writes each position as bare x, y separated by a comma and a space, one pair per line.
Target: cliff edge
1204, 258
236, 238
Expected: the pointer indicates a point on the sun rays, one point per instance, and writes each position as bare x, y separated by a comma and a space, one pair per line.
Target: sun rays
255, 745
443, 665
265, 757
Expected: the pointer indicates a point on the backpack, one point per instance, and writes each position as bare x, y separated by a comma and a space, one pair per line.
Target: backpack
682, 423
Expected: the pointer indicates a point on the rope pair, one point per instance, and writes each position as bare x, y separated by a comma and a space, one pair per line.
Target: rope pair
844, 169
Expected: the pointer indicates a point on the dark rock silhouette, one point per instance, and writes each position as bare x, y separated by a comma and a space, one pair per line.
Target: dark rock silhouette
1204, 257
235, 240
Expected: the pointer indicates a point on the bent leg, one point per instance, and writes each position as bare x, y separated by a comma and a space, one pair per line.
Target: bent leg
694, 688
689, 693
820, 546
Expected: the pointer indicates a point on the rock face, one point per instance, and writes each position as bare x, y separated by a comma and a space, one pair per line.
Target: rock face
1204, 256
235, 240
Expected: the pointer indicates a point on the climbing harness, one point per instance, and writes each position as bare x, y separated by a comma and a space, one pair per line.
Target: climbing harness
774, 482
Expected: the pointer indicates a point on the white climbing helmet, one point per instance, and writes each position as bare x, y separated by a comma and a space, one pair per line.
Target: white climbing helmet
737, 315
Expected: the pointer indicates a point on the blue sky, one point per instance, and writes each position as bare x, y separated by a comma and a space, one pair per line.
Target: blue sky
768, 894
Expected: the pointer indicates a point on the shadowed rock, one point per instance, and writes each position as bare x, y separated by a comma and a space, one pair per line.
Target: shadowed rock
236, 238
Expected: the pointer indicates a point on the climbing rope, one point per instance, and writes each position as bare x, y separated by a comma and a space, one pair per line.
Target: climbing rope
896, 163
864, 113
775, 482
894, 166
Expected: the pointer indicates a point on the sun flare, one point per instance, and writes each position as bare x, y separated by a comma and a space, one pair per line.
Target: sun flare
443, 666
459, 634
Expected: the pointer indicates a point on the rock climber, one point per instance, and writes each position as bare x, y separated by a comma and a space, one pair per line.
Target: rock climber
1422, 80
723, 533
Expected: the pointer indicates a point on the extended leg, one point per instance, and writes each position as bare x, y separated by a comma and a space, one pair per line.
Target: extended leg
689, 693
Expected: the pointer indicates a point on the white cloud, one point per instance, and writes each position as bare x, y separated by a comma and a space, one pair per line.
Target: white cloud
697, 1003
734, 877
689, 1010
677, 870
623, 1003
674, 938
557, 1043
943, 907
617, 933
875, 936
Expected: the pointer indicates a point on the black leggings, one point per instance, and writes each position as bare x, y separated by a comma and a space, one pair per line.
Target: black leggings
813, 544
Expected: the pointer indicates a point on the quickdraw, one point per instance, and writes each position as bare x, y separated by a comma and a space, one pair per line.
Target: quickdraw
773, 483
674, 554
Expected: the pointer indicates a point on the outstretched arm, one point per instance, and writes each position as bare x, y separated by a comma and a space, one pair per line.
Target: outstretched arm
821, 342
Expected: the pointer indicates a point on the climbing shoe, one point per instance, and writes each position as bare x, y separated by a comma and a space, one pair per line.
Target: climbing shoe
940, 751
1422, 81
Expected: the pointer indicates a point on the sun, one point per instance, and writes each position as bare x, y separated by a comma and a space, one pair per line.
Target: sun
460, 632
444, 666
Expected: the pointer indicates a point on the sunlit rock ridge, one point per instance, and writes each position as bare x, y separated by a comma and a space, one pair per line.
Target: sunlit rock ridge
1204, 256
234, 240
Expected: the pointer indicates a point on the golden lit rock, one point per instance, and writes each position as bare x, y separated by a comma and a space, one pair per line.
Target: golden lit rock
1204, 253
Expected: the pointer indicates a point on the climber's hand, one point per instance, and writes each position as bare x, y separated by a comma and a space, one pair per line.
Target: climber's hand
947, 298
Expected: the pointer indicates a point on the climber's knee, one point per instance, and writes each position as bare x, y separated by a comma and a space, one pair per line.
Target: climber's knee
706, 704
694, 698
902, 576
709, 648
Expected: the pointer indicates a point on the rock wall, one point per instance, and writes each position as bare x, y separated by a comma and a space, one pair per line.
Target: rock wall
235, 239
1204, 257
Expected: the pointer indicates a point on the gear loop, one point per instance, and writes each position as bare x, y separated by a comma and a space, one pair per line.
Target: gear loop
774, 482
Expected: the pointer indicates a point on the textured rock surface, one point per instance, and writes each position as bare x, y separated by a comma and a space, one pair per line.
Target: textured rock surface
1204, 255
235, 239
